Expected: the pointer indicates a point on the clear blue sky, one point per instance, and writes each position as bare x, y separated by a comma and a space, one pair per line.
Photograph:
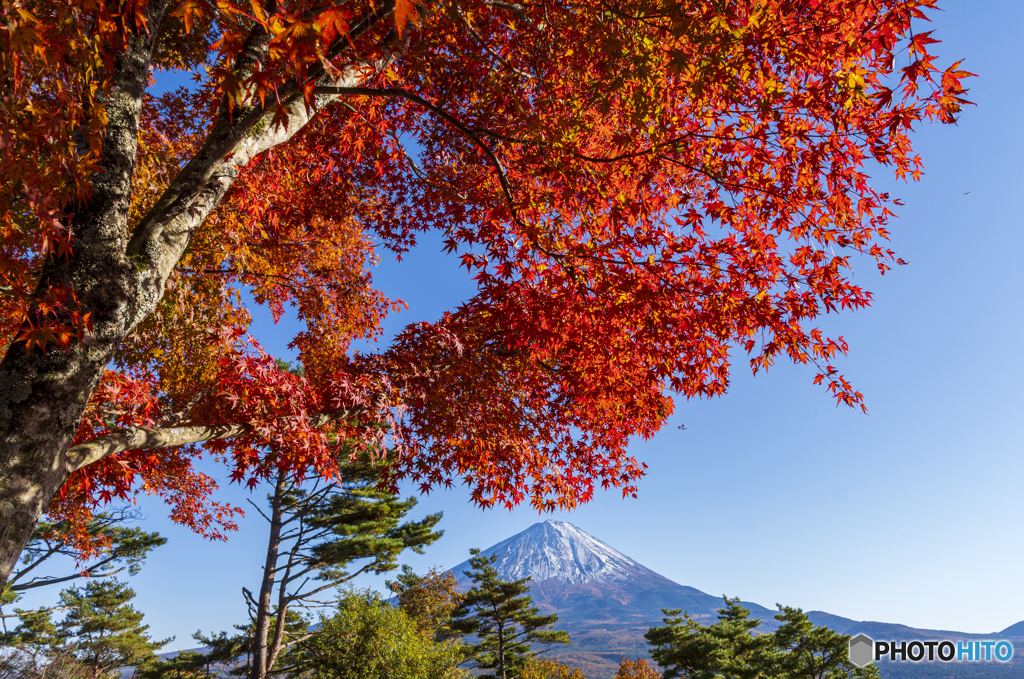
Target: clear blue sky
911, 514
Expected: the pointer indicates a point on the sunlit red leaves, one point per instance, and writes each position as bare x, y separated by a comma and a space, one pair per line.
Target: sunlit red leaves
304, 37
790, 167
405, 11
635, 200
54, 63
123, 401
461, 404
289, 233
168, 474
332, 23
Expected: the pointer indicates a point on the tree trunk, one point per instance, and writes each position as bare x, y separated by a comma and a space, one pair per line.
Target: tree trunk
119, 273
501, 650
259, 668
43, 394
275, 646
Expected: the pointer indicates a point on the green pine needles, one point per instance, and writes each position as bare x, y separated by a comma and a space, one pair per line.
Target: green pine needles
101, 632
323, 533
504, 623
730, 649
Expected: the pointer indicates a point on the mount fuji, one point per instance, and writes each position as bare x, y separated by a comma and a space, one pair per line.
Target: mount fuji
556, 550
591, 584
603, 598
607, 601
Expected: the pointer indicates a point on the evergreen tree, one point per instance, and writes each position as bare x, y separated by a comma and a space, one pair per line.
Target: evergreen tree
725, 649
230, 650
322, 534
729, 650
124, 548
104, 629
504, 623
101, 629
808, 651
184, 665
227, 648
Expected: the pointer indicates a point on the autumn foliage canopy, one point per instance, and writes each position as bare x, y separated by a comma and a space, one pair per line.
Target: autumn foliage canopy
642, 190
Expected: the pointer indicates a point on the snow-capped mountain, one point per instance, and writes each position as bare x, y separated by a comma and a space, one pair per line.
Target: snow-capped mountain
556, 550
607, 601
589, 583
603, 598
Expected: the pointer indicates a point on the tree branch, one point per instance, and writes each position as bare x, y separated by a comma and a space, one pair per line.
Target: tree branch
236, 138
32, 584
23, 572
144, 438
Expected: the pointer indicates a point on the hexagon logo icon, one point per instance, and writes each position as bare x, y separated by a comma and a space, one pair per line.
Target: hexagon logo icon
862, 650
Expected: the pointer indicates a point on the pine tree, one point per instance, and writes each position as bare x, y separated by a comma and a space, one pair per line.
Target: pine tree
105, 630
229, 650
184, 665
101, 629
727, 648
797, 650
501, 617
322, 534
808, 651
119, 547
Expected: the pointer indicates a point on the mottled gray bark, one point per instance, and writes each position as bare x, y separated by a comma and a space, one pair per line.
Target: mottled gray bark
120, 276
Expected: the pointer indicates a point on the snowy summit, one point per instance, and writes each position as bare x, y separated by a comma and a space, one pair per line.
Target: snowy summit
561, 551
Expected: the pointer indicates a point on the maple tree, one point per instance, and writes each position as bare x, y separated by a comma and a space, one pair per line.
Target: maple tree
639, 188
635, 669
429, 600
